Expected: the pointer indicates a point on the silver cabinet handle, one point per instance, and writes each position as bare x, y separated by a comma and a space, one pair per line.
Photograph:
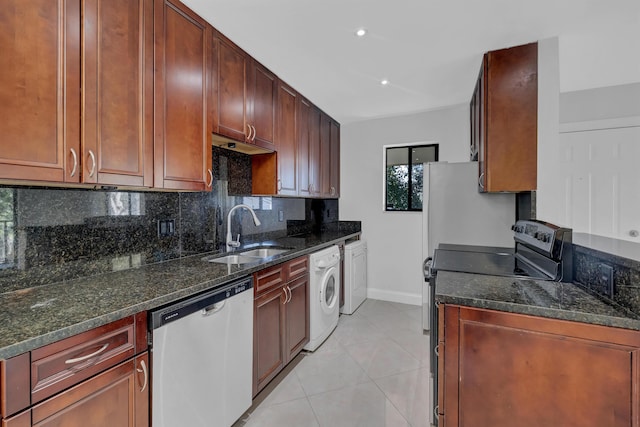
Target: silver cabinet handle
279, 184
333, 190
286, 297
436, 350
481, 180
254, 133
210, 183
290, 294
310, 189
146, 377
88, 356
249, 135
93, 163
75, 162
436, 411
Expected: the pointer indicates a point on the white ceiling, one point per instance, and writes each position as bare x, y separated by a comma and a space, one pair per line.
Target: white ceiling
430, 50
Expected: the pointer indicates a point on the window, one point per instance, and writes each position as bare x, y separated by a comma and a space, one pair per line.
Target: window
403, 175
7, 236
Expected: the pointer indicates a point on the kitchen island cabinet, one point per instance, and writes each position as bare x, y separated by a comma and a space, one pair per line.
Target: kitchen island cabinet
183, 98
505, 369
281, 318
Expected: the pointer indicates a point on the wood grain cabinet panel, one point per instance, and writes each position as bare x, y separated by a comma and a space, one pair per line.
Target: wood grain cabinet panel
117, 397
504, 120
262, 92
304, 108
40, 90
117, 100
183, 98
503, 369
334, 159
281, 318
286, 143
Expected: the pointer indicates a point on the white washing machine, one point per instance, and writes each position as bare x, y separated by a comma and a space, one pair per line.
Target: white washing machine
355, 276
324, 292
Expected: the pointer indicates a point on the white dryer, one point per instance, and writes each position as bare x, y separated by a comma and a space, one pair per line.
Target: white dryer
324, 292
355, 276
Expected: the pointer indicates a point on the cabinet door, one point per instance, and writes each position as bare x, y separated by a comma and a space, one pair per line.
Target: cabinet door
286, 142
183, 98
526, 371
263, 90
315, 153
231, 89
117, 100
511, 145
334, 160
268, 339
117, 397
304, 164
297, 316
40, 90
325, 155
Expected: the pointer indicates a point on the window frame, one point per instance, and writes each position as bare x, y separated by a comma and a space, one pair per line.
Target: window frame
409, 147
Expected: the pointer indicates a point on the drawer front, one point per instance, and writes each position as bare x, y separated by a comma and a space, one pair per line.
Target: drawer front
296, 268
269, 278
67, 362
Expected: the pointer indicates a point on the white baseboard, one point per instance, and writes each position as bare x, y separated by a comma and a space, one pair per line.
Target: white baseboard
394, 296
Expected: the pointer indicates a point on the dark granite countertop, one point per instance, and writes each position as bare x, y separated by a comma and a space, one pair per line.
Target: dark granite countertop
37, 316
555, 300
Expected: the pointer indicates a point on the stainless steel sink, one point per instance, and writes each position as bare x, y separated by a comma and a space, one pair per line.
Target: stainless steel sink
264, 252
235, 259
248, 257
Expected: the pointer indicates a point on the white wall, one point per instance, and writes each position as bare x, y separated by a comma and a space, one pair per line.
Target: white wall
394, 238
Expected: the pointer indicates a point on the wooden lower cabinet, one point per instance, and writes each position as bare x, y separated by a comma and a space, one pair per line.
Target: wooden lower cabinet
504, 369
281, 318
118, 397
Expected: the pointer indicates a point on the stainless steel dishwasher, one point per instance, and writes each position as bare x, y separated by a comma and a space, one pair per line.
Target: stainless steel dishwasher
202, 358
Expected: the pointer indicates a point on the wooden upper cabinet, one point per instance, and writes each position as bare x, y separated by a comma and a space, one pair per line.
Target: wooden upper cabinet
245, 96
334, 159
117, 100
262, 91
504, 120
315, 152
325, 155
231, 64
183, 98
40, 90
286, 142
304, 108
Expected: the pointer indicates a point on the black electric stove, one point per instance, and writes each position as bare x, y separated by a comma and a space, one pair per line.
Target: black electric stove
541, 251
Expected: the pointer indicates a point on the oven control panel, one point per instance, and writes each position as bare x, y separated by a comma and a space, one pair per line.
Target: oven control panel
542, 236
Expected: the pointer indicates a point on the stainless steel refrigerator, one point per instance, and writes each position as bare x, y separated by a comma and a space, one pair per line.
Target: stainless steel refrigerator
454, 212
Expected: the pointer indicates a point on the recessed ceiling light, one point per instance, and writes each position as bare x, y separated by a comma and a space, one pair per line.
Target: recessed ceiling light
360, 32
384, 82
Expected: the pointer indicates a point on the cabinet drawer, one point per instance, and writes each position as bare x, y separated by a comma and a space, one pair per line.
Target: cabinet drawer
296, 268
67, 362
269, 278
14, 385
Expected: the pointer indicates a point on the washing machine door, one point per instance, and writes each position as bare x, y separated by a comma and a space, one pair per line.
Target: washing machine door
329, 290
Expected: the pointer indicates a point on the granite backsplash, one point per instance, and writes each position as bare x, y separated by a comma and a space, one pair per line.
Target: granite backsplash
609, 268
49, 235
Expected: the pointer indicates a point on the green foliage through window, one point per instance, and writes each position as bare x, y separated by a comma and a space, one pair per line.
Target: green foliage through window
404, 175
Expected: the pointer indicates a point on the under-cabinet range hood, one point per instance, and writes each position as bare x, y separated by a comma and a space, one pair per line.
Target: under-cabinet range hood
240, 147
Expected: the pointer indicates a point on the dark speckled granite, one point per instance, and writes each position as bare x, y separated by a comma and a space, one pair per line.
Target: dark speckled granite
591, 252
38, 316
555, 300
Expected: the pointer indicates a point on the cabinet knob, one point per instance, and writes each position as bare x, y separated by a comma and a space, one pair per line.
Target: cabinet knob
634, 233
75, 162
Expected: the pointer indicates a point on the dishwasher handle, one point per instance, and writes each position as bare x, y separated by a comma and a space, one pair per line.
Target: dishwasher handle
213, 309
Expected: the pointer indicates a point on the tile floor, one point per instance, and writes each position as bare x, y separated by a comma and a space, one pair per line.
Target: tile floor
372, 371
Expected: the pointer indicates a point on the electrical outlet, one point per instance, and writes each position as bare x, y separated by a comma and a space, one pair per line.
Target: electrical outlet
166, 227
280, 216
605, 279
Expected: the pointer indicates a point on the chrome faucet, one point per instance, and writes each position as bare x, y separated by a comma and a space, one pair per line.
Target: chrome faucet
232, 244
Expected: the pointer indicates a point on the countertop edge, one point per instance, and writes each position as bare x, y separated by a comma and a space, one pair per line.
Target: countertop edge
32, 343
